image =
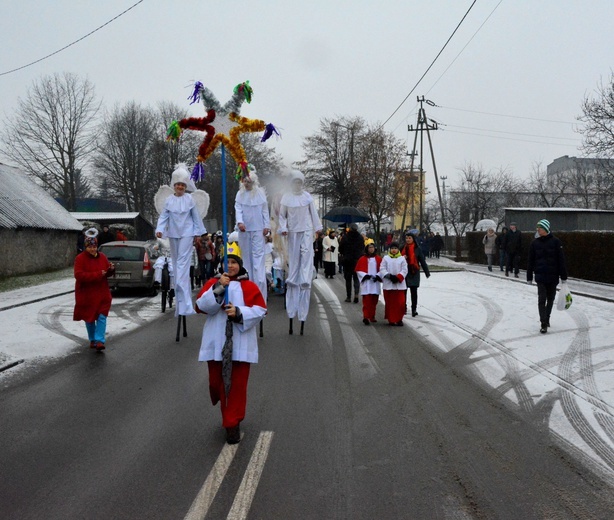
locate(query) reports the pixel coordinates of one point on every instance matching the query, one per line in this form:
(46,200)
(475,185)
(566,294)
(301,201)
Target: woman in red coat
(92,294)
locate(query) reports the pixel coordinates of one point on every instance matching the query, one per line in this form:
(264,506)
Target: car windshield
(125,253)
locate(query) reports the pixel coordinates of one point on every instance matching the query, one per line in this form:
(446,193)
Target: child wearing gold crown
(230,343)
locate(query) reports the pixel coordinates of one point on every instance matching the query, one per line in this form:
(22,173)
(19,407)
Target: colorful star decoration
(222,125)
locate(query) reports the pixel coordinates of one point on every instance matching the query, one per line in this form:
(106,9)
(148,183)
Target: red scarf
(409,252)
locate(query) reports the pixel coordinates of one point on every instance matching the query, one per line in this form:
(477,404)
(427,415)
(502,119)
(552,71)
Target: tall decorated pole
(222,126)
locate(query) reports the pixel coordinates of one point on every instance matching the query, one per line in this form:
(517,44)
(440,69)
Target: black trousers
(351,276)
(513,262)
(546,293)
(413,291)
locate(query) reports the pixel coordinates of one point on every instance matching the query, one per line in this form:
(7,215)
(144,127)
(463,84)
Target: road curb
(9,307)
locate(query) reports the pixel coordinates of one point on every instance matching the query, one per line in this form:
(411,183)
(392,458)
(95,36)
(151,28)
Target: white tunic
(180,218)
(252,209)
(244,337)
(393,266)
(298,213)
(370,286)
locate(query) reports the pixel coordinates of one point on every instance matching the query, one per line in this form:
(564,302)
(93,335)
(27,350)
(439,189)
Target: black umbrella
(346,214)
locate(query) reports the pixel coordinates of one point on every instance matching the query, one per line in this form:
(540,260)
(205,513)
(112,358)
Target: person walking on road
(351,247)
(367,269)
(415,259)
(490,246)
(106,236)
(393,271)
(547,261)
(513,249)
(230,353)
(92,293)
(500,242)
(330,246)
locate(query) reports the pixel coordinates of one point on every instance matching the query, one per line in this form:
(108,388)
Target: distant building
(144,229)
(36,233)
(561,219)
(410,210)
(569,166)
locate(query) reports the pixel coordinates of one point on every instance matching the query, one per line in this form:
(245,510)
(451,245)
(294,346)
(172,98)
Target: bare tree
(549,192)
(331,160)
(380,161)
(598,121)
(124,156)
(51,135)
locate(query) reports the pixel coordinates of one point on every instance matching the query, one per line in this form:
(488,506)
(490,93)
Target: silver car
(133,265)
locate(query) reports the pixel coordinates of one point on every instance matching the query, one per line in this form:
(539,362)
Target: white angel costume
(299,219)
(252,210)
(181,219)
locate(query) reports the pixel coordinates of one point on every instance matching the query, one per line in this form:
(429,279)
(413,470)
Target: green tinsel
(246,90)
(174,131)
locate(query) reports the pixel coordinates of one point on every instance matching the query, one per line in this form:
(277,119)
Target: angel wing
(164,192)
(201,198)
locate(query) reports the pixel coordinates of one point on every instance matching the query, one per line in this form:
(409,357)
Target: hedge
(589,254)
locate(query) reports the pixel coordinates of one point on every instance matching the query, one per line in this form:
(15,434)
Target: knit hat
(544,224)
(90,241)
(181,174)
(393,244)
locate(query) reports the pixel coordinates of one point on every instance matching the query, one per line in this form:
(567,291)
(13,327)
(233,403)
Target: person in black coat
(547,262)
(352,247)
(513,248)
(106,236)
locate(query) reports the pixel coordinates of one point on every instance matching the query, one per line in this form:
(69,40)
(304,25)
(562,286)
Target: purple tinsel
(195,97)
(198,172)
(269,130)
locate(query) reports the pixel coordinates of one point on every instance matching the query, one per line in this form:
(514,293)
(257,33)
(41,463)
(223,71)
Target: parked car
(133,266)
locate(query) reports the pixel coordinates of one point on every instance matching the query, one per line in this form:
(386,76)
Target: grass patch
(30,280)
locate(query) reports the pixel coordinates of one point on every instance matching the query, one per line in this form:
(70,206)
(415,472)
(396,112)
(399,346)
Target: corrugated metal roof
(104,215)
(23,203)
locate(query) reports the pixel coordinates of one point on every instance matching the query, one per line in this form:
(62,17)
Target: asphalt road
(345,422)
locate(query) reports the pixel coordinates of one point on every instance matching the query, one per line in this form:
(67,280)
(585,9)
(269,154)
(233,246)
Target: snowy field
(563,379)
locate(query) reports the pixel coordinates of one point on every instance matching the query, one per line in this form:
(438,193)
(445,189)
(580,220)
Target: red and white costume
(394,293)
(369,289)
(246,296)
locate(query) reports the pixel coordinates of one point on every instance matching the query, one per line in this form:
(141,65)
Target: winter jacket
(546,260)
(490,244)
(92,294)
(413,279)
(512,243)
(351,247)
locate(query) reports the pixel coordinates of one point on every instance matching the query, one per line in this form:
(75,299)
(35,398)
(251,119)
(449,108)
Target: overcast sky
(327,58)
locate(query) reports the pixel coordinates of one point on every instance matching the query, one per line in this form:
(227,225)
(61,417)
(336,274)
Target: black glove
(377,279)
(365,278)
(393,278)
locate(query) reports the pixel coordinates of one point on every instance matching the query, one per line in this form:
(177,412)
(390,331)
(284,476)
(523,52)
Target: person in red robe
(393,271)
(367,269)
(92,293)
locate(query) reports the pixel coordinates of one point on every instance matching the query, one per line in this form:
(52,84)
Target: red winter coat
(92,294)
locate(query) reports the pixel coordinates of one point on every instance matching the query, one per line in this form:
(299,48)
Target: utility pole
(444,178)
(425,125)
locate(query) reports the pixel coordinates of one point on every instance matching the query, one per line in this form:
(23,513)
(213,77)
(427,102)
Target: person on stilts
(298,221)
(180,221)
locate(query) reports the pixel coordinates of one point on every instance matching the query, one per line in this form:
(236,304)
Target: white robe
(181,222)
(370,286)
(252,210)
(299,218)
(244,337)
(393,266)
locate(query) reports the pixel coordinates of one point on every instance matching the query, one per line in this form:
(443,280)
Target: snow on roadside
(564,378)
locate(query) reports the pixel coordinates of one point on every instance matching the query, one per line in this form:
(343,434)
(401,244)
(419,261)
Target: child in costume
(180,221)
(230,343)
(253,222)
(393,271)
(367,269)
(92,294)
(298,221)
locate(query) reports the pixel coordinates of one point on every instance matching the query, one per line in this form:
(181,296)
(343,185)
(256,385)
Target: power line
(511,133)
(505,138)
(461,51)
(507,115)
(432,63)
(73,43)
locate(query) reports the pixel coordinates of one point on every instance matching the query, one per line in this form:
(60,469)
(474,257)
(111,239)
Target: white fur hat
(297,175)
(181,174)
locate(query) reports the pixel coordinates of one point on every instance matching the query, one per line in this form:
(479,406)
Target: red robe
(92,294)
